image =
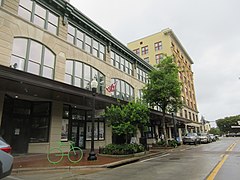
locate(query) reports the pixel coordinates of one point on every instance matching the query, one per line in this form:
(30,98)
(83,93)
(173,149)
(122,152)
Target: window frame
(33,16)
(83,79)
(26,59)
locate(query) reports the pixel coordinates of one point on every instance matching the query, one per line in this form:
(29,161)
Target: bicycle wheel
(55,155)
(75,155)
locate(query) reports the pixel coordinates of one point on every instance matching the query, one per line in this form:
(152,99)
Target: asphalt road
(218,160)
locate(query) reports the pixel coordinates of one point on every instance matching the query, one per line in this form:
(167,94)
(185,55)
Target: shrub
(122,149)
(171,143)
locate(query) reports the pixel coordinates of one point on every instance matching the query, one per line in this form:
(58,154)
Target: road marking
(154,157)
(219,165)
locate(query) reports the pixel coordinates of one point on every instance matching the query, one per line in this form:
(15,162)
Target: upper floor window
(144,50)
(140,94)
(136,51)
(142,75)
(33,57)
(80,74)
(0,2)
(146,59)
(121,63)
(85,42)
(158,58)
(123,90)
(39,15)
(158,46)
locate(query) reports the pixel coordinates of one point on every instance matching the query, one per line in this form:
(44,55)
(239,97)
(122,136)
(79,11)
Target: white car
(6,164)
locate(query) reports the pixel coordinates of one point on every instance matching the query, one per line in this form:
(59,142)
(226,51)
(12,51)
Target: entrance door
(78,133)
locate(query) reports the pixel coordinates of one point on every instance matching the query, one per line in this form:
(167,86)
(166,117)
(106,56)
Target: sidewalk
(32,162)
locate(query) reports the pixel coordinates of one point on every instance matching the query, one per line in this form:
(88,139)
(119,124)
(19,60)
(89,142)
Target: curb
(109,165)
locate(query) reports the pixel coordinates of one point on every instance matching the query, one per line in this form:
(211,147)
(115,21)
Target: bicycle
(55,154)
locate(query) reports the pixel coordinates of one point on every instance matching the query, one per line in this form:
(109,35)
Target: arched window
(80,74)
(31,56)
(123,90)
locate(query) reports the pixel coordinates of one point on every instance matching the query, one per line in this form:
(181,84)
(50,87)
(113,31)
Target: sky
(209,30)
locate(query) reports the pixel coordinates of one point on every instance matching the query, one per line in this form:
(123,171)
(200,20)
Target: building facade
(152,49)
(49,54)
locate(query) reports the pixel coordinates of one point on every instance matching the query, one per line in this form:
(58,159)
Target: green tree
(215,131)
(126,119)
(164,89)
(225,124)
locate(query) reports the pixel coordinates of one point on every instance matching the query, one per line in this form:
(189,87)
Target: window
(31,56)
(99,128)
(190,115)
(144,50)
(140,94)
(39,15)
(40,120)
(88,44)
(65,122)
(146,59)
(142,75)
(158,46)
(136,51)
(83,41)
(121,63)
(123,90)
(80,75)
(185,112)
(0,2)
(158,58)
(151,132)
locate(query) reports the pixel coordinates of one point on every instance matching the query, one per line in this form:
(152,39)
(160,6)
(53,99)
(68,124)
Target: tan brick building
(49,54)
(152,49)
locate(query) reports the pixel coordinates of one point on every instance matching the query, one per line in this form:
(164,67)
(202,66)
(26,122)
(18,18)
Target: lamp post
(92,155)
(174,126)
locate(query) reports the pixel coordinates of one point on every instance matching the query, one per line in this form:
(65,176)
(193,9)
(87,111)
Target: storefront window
(39,130)
(65,123)
(99,130)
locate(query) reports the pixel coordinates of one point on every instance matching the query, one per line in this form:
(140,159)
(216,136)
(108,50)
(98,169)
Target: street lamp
(92,155)
(174,126)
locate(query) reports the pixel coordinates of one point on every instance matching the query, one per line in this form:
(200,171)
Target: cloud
(209,31)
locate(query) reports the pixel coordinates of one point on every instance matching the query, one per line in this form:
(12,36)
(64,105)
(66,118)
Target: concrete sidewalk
(35,162)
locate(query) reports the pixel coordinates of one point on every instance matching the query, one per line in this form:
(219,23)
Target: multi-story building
(49,54)
(152,49)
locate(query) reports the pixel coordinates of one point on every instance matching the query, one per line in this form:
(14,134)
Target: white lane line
(155,157)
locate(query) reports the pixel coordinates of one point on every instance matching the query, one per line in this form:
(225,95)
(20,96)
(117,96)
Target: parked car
(213,137)
(5,146)
(204,138)
(6,164)
(191,138)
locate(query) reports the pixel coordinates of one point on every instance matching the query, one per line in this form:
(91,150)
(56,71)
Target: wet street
(218,160)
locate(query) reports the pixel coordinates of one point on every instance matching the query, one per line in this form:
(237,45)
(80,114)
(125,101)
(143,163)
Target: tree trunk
(164,129)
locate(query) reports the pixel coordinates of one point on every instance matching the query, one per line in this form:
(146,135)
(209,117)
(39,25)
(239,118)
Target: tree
(215,131)
(226,123)
(126,119)
(164,89)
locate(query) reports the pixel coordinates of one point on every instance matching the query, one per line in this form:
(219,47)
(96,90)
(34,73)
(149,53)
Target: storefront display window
(99,131)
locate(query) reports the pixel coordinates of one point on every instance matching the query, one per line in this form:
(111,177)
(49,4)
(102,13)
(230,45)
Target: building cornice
(70,12)
(173,36)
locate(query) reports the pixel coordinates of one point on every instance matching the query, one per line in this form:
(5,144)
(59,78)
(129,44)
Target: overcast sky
(209,30)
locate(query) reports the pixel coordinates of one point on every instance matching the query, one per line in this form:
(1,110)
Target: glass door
(78,133)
